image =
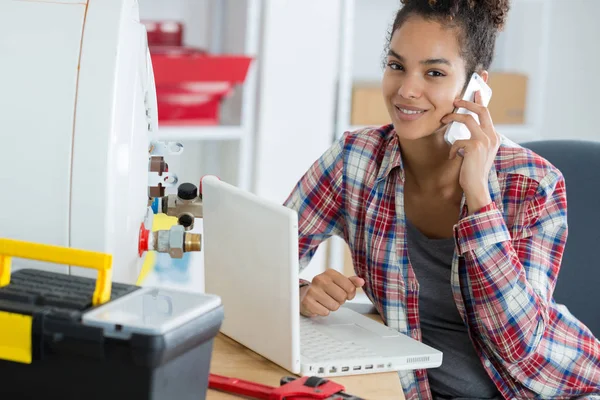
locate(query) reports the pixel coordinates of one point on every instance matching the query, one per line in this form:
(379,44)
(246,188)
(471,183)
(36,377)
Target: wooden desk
(234,360)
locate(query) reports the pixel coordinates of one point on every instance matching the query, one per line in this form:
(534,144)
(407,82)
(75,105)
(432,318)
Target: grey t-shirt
(461,375)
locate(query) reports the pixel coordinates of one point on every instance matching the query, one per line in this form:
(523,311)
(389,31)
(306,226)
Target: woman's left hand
(478,153)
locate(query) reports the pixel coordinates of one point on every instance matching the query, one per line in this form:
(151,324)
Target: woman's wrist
(478,200)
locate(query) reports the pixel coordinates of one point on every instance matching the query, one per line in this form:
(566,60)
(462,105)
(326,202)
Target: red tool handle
(240,386)
(304,388)
(308,387)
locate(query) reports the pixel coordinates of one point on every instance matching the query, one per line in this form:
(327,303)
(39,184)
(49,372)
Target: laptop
(251,262)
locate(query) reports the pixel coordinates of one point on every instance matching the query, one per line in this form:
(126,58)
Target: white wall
(194,14)
(162,10)
(573,83)
(297,92)
(373,20)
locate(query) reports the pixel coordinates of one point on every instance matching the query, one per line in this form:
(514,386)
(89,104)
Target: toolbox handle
(59,255)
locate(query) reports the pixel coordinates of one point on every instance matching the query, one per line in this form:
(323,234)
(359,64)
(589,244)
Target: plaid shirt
(504,268)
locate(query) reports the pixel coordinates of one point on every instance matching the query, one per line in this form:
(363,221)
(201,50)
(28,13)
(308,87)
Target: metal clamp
(158,148)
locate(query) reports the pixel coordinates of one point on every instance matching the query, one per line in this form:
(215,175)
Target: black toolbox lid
(75,327)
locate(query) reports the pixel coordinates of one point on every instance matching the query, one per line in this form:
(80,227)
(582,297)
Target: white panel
(522,49)
(372,22)
(298,80)
(39,44)
(297,92)
(571,99)
(163,9)
(193,13)
(70,2)
(110,164)
(249,97)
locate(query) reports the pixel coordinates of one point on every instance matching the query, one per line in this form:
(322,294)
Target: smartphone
(457,130)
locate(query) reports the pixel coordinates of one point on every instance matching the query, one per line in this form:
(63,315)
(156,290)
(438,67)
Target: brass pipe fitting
(176,241)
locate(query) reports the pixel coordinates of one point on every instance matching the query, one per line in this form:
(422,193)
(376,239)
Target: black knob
(186,220)
(187,191)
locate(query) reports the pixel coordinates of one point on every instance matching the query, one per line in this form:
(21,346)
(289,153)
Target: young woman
(457,246)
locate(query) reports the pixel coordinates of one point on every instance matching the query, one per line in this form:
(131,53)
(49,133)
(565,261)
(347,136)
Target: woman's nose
(410,88)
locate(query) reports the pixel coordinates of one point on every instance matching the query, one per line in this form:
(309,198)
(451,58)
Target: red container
(164,33)
(176,65)
(191,104)
(190,83)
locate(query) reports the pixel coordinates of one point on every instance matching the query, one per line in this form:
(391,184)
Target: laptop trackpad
(347,332)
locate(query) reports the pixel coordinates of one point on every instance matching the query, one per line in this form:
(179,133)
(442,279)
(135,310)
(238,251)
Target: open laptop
(251,262)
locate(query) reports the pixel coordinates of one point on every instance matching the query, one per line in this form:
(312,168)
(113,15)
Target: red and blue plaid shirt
(504,268)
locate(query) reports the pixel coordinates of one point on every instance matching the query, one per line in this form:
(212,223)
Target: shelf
(190,132)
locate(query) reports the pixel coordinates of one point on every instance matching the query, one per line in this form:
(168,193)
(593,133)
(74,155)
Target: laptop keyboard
(44,288)
(321,347)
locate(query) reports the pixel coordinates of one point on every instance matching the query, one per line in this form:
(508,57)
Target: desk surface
(231,359)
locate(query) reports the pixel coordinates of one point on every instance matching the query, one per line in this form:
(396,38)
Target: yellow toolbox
(69,337)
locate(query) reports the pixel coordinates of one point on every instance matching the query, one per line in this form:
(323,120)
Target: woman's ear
(484,75)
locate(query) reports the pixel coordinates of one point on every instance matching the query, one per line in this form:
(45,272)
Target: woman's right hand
(327,292)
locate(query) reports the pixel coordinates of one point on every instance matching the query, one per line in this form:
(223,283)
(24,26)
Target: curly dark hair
(478,23)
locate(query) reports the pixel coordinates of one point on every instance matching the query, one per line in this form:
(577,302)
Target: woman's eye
(395,66)
(435,74)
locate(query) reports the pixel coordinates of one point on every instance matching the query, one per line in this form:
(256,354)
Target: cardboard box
(368,106)
(509,98)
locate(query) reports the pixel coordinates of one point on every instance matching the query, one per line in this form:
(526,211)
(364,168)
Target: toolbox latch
(15,337)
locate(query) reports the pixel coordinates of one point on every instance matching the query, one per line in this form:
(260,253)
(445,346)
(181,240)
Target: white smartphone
(457,130)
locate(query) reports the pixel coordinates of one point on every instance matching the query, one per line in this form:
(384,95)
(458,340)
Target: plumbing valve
(158,148)
(175,241)
(185,205)
(159,177)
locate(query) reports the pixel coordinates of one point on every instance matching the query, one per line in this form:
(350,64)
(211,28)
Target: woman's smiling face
(423,76)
